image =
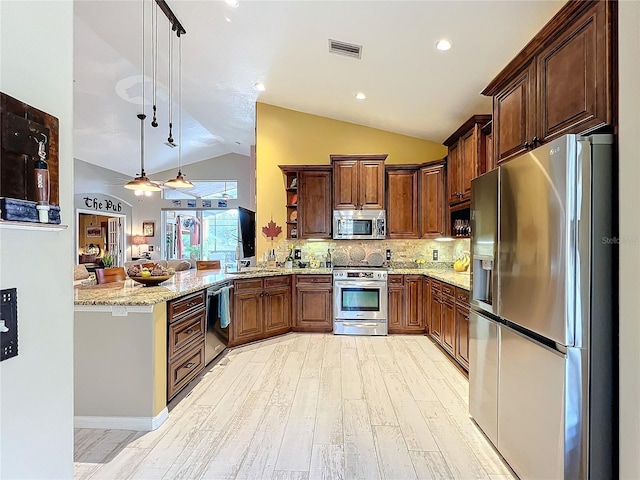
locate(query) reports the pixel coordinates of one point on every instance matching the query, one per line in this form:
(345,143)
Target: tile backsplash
(403,252)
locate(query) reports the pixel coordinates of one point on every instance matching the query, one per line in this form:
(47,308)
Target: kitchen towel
(223,307)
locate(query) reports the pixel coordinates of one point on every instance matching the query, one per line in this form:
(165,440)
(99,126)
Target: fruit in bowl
(150,274)
(462,264)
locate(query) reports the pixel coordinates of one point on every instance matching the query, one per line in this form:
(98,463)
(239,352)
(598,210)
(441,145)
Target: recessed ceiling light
(260,87)
(360,96)
(232,3)
(443,44)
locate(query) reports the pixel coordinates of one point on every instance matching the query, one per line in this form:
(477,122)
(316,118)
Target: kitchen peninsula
(136,347)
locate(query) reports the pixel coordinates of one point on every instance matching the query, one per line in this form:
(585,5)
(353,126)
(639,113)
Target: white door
(114,242)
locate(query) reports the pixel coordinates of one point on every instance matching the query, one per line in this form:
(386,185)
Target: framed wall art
(94,231)
(148,229)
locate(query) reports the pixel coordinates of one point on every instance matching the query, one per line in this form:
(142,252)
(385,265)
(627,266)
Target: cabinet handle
(189,365)
(190,331)
(535,141)
(527,145)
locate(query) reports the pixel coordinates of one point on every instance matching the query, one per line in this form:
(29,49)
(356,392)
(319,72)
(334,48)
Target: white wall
(36,389)
(629,197)
(90,178)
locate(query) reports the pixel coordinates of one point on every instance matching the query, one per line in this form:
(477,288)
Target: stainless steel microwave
(359,224)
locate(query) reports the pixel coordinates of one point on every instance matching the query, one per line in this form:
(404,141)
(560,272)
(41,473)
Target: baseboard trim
(143,424)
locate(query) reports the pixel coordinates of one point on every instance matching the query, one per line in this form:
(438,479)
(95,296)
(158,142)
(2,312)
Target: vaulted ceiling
(411,87)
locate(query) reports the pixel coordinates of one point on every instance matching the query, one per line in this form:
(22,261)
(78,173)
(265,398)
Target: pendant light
(179,181)
(142,183)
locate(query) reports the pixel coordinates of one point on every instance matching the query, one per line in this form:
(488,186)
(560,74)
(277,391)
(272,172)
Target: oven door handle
(360,283)
(370,324)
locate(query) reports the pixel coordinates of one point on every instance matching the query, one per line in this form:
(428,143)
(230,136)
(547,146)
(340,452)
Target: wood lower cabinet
(313,303)
(449,320)
(262,309)
(358,182)
(405,304)
(186,318)
(562,82)
(395,303)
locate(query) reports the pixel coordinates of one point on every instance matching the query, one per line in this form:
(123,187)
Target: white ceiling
(411,87)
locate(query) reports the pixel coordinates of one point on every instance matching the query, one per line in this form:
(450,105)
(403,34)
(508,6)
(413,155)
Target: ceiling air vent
(343,48)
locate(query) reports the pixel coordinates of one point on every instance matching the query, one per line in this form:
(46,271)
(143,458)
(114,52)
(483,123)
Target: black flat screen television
(247,220)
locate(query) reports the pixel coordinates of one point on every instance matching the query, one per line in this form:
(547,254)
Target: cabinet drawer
(462,296)
(186,332)
(436,285)
(278,281)
(184,368)
(186,305)
(248,284)
(395,279)
(313,279)
(448,290)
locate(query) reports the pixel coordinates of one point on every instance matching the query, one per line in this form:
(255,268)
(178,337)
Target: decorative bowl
(152,280)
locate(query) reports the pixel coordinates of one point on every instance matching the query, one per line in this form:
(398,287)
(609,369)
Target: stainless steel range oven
(359,301)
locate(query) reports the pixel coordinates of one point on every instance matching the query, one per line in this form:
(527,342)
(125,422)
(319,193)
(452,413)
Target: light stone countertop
(182,283)
(186,282)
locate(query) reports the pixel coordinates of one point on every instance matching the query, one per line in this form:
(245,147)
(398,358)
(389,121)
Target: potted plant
(108,260)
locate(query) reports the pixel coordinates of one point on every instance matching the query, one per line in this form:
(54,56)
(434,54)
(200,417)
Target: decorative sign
(206,203)
(191,203)
(271,230)
(222,204)
(176,203)
(102,204)
(93,231)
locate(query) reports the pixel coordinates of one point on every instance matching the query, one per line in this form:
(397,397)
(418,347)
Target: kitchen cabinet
(313,303)
(395,303)
(262,309)
(405,304)
(431,198)
(186,319)
(449,320)
(562,82)
(466,158)
(358,182)
(402,202)
(308,192)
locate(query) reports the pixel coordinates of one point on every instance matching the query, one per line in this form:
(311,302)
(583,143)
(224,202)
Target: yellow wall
(287,137)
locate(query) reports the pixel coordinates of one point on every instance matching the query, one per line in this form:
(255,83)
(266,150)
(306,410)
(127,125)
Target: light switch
(435,255)
(8,324)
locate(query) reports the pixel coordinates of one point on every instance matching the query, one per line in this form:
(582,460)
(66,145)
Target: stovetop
(360,272)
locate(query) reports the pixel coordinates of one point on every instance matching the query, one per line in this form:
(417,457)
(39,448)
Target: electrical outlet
(435,255)
(388,254)
(8,324)
(297,254)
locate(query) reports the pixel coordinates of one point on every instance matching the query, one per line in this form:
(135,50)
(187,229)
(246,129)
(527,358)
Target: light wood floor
(309,406)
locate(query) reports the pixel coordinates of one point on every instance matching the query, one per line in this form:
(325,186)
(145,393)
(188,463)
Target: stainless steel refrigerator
(542,366)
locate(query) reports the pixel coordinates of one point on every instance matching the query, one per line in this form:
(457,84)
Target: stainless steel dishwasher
(217,337)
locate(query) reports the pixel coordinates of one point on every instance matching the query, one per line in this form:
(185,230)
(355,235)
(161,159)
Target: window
(207,189)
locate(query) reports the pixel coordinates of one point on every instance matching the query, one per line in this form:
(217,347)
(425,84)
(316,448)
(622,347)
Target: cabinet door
(448,326)
(248,312)
(395,305)
(314,204)
(313,308)
(453,173)
(462,336)
(574,75)
(345,185)
(435,307)
(468,152)
(402,203)
(277,310)
(513,114)
(371,185)
(426,302)
(414,319)
(431,207)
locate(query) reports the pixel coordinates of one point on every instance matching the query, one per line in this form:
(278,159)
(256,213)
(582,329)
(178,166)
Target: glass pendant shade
(142,184)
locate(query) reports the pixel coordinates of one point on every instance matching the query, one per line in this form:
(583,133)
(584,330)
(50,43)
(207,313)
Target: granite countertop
(182,283)
(457,279)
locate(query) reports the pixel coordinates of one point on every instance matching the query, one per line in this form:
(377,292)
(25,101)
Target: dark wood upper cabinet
(432,208)
(358,182)
(309,213)
(314,204)
(466,158)
(562,82)
(402,203)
